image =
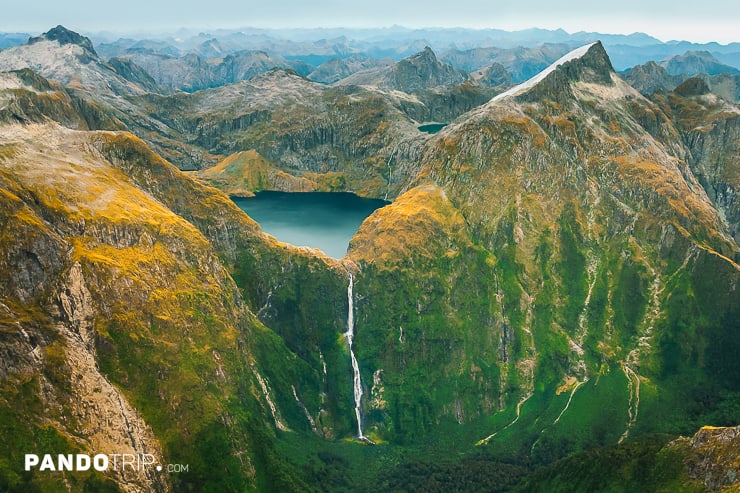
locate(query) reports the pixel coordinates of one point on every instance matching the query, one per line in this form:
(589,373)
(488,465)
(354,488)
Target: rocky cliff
(124,331)
(710,128)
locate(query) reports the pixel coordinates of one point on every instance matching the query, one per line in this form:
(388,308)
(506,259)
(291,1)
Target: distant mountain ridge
(395,42)
(697,62)
(193,72)
(197,60)
(419,71)
(652,77)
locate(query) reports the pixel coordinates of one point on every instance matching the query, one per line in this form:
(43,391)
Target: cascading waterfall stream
(356,380)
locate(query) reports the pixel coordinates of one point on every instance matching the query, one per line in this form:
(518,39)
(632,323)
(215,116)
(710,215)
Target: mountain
(419,71)
(697,62)
(651,77)
(134,73)
(188,73)
(103,94)
(726,86)
(192,72)
(245,65)
(69,59)
(316,46)
(549,301)
(494,75)
(337,137)
(122,46)
(64,36)
(123,328)
(396,41)
(542,267)
(522,63)
(29,98)
(339,68)
(709,127)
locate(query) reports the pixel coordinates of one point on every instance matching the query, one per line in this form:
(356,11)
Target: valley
(533,284)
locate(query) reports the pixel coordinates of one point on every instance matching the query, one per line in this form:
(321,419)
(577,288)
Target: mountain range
(549,303)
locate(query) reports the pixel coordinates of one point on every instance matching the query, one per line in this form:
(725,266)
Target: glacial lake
(432,128)
(323,220)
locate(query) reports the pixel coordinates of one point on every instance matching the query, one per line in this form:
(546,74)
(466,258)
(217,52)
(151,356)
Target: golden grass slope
(158,300)
(246,172)
(416,223)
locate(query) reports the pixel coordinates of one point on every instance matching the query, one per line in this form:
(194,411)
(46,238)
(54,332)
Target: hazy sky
(708,20)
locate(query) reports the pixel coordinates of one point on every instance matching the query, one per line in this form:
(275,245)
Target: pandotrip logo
(99,462)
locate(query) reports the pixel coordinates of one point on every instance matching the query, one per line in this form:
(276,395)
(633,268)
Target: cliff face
(436,355)
(712,457)
(353,137)
(710,129)
(100,269)
(364,139)
(125,334)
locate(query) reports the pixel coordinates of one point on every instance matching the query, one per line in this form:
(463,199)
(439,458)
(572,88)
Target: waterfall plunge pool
(323,220)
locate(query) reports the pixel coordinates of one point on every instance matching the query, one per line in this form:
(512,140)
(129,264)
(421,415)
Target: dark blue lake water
(322,220)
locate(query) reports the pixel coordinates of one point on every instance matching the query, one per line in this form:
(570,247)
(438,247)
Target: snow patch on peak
(526,85)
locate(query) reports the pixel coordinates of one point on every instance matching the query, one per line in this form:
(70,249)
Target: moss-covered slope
(125,333)
(568,271)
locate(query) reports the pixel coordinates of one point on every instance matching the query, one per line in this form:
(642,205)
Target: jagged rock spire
(64,36)
(593,66)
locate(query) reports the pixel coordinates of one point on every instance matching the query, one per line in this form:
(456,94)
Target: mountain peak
(422,71)
(594,66)
(696,62)
(426,54)
(64,37)
(693,86)
(588,63)
(423,58)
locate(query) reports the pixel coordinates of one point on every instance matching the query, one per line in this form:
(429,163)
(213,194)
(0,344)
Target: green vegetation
(29,436)
(571,269)
(550,283)
(422,365)
(645,465)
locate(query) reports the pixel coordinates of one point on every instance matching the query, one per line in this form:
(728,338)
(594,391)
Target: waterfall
(356,381)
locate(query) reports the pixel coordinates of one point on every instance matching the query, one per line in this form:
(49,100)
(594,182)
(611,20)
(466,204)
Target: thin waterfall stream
(356,378)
